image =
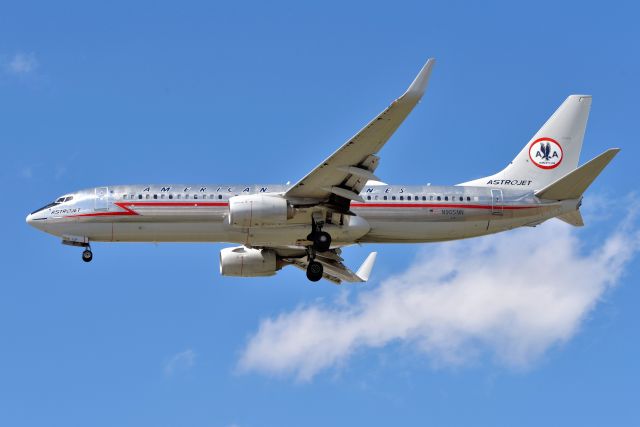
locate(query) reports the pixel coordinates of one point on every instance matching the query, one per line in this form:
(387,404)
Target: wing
(343,174)
(334,270)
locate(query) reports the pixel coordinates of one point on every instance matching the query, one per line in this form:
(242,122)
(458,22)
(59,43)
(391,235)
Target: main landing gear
(314,271)
(321,239)
(321,243)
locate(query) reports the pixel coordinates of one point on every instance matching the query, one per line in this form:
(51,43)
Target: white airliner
(340,203)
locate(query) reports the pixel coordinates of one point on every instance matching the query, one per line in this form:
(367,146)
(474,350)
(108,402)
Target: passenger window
(446,198)
(408,197)
(179,196)
(424,197)
(393,197)
(162,196)
(139,196)
(171,196)
(368,197)
(219,196)
(385,197)
(439,198)
(148,196)
(401,197)
(195,196)
(155,196)
(461,198)
(186,196)
(124,197)
(468,199)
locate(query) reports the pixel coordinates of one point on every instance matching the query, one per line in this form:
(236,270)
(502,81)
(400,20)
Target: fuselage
(200,213)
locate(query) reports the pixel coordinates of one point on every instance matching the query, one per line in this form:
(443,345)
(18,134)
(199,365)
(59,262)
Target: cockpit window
(50,205)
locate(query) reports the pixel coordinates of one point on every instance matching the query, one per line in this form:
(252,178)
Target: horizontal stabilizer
(573,218)
(576,182)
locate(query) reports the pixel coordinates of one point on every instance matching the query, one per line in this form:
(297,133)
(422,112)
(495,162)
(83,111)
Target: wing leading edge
(343,174)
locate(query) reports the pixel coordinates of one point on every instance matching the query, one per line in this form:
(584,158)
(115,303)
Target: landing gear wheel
(87,255)
(321,241)
(314,271)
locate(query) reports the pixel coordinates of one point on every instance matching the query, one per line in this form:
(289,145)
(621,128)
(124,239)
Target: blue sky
(95,94)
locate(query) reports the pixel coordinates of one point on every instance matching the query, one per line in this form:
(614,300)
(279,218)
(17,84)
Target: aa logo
(545,153)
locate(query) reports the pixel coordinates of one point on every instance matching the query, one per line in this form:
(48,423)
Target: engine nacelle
(258,210)
(247,262)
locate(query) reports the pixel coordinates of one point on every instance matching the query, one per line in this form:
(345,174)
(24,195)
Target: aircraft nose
(32,220)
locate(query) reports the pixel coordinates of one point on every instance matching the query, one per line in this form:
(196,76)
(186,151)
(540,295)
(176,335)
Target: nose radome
(30,219)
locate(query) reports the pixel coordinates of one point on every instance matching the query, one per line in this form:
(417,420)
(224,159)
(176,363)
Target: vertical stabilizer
(553,151)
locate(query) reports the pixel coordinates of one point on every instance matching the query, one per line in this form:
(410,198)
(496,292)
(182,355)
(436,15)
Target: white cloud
(512,296)
(180,362)
(22,63)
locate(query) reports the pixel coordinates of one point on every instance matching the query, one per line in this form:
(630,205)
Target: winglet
(365,269)
(419,84)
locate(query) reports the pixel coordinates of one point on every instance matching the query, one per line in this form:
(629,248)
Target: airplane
(340,203)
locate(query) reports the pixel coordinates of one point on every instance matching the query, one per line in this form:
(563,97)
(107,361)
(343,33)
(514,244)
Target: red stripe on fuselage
(436,205)
(131,212)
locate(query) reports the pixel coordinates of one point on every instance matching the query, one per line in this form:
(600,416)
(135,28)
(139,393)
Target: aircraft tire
(87,255)
(314,271)
(321,241)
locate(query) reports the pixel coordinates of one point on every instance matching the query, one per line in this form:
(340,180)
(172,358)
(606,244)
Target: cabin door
(496,202)
(102,198)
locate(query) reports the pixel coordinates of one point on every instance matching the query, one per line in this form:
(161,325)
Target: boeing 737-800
(340,203)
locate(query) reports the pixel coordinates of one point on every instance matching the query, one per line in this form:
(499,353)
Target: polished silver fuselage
(199,213)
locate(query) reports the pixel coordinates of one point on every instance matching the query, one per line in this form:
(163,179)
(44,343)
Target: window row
(171,196)
(424,198)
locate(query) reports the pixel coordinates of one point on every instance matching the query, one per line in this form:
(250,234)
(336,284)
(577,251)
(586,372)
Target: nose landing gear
(82,242)
(87,255)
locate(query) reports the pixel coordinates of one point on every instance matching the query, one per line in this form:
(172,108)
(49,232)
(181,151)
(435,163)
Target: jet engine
(258,210)
(248,262)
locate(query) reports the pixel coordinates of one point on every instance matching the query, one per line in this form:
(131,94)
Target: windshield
(52,204)
(46,206)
